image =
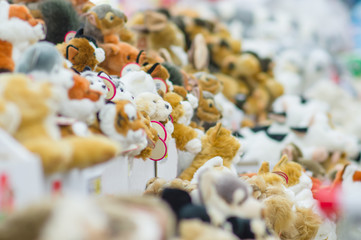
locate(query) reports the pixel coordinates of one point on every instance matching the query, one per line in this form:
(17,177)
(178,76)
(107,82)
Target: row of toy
(289,203)
(304,127)
(55,112)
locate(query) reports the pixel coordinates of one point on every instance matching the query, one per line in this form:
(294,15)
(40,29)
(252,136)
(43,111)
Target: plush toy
(137,82)
(260,100)
(18,30)
(121,122)
(154,106)
(185,136)
(155,186)
(209,82)
(280,214)
(60,18)
(225,195)
(197,230)
(82,53)
(121,92)
(218,141)
(119,54)
(207,114)
(104,23)
(161,33)
(35,104)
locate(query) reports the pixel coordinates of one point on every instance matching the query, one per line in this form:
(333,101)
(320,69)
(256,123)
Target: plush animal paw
(194,146)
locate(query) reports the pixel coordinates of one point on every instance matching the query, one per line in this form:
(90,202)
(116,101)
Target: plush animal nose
(166,106)
(103,86)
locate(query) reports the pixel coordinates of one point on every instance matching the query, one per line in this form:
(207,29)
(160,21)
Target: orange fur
(81,89)
(218,141)
(292,169)
(83,57)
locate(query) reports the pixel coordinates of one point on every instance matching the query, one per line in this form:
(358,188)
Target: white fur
(96,83)
(136,140)
(131,112)
(194,146)
(137,82)
(154,106)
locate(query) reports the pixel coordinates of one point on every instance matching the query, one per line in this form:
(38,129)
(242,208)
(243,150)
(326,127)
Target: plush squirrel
(104,23)
(18,30)
(217,141)
(36,105)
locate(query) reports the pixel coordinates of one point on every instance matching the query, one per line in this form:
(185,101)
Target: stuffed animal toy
(209,82)
(185,136)
(56,218)
(156,108)
(119,54)
(121,122)
(260,100)
(206,114)
(60,18)
(280,214)
(121,92)
(137,82)
(150,211)
(36,104)
(161,33)
(217,141)
(104,23)
(198,55)
(155,186)
(18,30)
(96,82)
(82,53)
(225,195)
(197,230)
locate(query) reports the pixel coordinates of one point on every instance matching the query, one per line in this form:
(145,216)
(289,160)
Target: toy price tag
(6,196)
(160,84)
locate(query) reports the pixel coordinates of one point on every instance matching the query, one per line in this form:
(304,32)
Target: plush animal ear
(92,18)
(283,160)
(71,52)
(153,68)
(110,49)
(264,168)
(218,129)
(4,11)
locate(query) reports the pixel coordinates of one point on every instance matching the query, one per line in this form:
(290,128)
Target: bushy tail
(60,18)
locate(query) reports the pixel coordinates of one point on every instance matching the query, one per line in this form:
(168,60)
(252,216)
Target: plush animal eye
(128,57)
(154,101)
(109,16)
(122,90)
(91,83)
(210,105)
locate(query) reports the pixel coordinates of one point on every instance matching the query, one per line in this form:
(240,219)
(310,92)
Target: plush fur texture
(196,230)
(209,82)
(292,169)
(117,55)
(39,133)
(152,104)
(60,17)
(103,21)
(18,30)
(82,53)
(155,186)
(185,136)
(218,141)
(158,72)
(207,113)
(122,123)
